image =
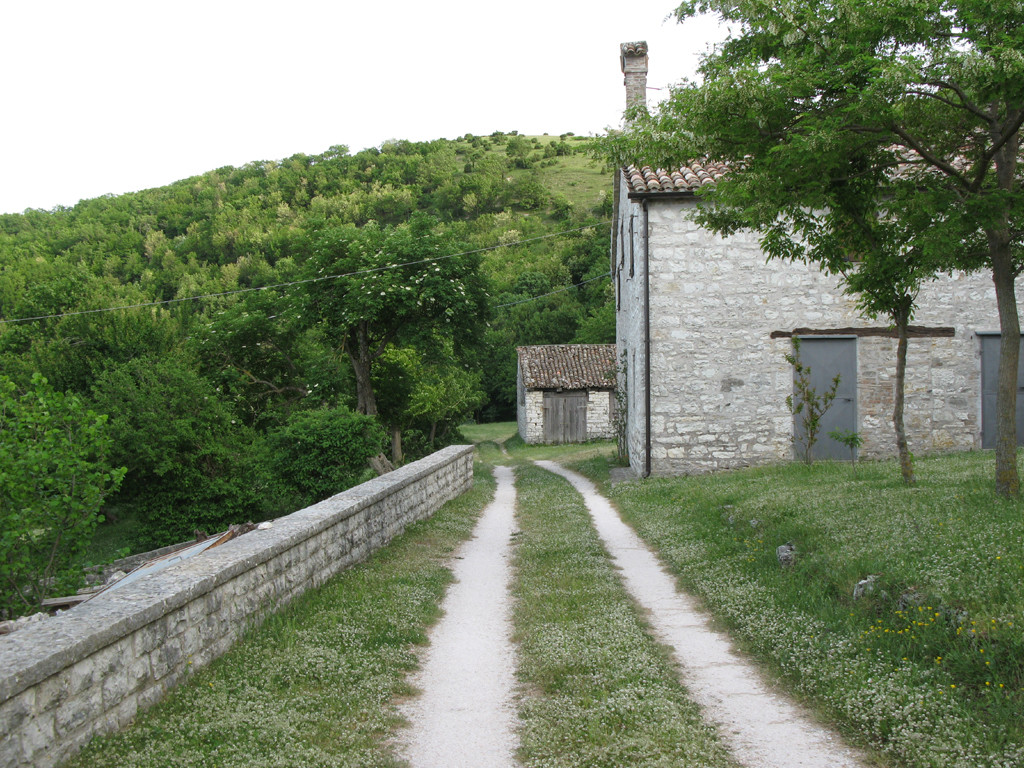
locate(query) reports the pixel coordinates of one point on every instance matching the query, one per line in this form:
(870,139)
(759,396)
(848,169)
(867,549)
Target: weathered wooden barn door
(565,417)
(826,358)
(989,376)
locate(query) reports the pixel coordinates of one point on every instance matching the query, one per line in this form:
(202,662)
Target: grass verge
(566,452)
(928,665)
(496,432)
(599,690)
(314,684)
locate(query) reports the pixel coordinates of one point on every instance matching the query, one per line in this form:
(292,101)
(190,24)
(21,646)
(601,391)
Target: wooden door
(826,358)
(565,417)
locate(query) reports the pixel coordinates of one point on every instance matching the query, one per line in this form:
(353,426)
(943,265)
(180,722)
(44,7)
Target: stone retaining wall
(88,671)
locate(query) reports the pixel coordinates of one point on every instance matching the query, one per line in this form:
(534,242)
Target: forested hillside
(396,283)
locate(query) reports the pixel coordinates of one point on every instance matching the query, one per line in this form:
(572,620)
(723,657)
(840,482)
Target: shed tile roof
(568,366)
(686,178)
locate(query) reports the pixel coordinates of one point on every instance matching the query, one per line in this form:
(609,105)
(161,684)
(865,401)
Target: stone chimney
(633,58)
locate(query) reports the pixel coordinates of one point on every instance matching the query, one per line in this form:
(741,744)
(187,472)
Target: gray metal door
(826,358)
(989,377)
(565,417)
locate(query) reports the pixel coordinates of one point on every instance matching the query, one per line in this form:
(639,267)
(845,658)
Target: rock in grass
(786,554)
(864,587)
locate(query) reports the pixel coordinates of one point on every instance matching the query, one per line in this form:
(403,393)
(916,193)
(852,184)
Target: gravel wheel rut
(466,715)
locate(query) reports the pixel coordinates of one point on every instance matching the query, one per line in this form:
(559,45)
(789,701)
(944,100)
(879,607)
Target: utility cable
(552,293)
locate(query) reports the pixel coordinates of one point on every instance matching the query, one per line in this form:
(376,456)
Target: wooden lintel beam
(913,331)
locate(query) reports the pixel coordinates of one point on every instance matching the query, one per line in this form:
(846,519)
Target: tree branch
(965,102)
(386,339)
(1011,128)
(271,387)
(856,128)
(912,143)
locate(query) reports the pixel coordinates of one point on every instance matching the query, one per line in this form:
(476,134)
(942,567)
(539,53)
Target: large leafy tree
(262,353)
(383,285)
(430,390)
(924,99)
(394,380)
(446,392)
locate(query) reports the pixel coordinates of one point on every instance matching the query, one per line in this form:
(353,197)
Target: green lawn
(496,432)
(519,450)
(491,438)
(579,178)
(602,691)
(928,667)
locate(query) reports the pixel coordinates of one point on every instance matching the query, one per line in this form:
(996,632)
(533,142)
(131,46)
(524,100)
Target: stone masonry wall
(628,278)
(719,381)
(599,415)
(531,417)
(88,671)
(521,412)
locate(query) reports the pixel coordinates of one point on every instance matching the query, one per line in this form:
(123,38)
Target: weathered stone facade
(90,670)
(600,410)
(531,415)
(718,379)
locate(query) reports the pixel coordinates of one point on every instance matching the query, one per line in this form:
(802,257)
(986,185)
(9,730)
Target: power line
(431,260)
(552,293)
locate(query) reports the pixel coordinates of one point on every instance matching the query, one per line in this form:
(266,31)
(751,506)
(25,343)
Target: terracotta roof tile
(687,178)
(568,366)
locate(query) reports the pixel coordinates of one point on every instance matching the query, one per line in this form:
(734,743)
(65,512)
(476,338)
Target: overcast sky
(113,96)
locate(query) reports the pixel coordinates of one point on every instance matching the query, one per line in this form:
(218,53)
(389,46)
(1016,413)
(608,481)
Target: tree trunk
(1003,275)
(902,318)
(380,464)
(396,445)
(359,354)
(1007,477)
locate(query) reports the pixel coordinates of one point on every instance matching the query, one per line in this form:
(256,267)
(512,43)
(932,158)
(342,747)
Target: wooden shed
(566,392)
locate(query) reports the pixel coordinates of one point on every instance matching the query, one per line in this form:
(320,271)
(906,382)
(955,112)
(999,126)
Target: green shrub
(320,453)
(54,475)
(191,466)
